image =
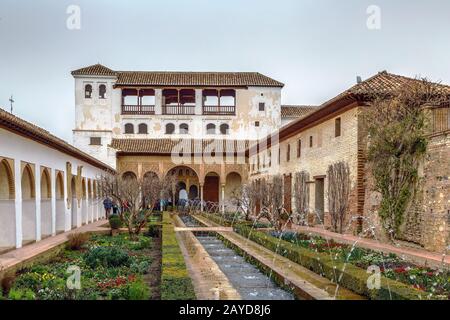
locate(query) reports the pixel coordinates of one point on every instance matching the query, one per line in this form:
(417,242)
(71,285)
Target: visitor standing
(107,204)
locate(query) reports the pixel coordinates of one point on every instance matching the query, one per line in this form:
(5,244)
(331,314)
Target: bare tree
(271,193)
(301,195)
(338,194)
(245,199)
(136,197)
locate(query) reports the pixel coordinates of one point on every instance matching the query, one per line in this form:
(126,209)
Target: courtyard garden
(111,268)
(347,265)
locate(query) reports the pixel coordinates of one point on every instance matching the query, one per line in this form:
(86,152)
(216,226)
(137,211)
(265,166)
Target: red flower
(400,270)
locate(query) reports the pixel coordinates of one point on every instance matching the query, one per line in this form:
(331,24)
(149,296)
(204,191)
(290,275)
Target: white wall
(32,220)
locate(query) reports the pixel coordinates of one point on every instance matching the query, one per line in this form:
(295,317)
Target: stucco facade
(44,190)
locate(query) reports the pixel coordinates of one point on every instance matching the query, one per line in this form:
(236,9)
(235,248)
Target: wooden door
(211,189)
(288,193)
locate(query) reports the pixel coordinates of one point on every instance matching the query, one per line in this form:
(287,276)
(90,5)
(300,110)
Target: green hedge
(352,277)
(175,281)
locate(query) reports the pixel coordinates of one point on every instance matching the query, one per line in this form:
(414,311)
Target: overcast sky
(316,47)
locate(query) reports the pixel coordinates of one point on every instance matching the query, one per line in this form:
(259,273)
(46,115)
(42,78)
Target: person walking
(107,204)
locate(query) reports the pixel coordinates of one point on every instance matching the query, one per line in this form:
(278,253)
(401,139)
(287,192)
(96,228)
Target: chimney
(358,79)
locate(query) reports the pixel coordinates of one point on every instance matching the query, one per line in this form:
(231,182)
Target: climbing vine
(397,129)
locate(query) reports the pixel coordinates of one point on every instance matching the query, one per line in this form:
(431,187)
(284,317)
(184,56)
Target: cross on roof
(11,101)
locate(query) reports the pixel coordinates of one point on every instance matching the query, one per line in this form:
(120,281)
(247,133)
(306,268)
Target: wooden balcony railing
(440,119)
(138,109)
(219,110)
(178,110)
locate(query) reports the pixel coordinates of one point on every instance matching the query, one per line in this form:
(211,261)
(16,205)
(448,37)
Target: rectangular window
(96,141)
(299,148)
(256,123)
(279,155)
(337,127)
(288,153)
(310,141)
(262,106)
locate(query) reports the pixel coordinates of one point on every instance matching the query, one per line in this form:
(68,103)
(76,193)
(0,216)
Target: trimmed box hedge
(348,275)
(175,281)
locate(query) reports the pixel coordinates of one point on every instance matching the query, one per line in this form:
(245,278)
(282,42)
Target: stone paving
(246,278)
(28,252)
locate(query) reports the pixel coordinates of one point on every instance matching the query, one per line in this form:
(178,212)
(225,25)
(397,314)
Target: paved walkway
(419,256)
(28,252)
(308,284)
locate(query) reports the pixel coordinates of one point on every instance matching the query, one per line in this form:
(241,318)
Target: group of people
(112,205)
(109,205)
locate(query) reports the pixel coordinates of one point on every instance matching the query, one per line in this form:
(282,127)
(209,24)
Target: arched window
(27,183)
(88,91)
(46,192)
(224,128)
(129,176)
(102,91)
(170,128)
(6,181)
(129,128)
(184,128)
(211,128)
(142,128)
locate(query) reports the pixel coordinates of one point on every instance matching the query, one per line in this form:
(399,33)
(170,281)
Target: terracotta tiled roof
(381,83)
(167,146)
(384,82)
(290,111)
(17,125)
(167,78)
(94,70)
(196,79)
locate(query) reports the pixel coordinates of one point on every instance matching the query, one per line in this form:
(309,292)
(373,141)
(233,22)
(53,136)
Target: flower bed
(112,268)
(324,260)
(229,220)
(175,281)
(433,282)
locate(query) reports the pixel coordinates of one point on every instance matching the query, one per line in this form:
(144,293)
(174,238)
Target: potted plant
(115,223)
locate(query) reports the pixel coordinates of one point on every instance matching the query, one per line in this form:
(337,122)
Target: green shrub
(106,257)
(143,242)
(115,222)
(140,268)
(153,230)
(21,294)
(175,281)
(138,290)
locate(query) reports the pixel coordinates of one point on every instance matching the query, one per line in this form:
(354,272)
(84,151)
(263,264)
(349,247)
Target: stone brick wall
(436,214)
(326,150)
(427,219)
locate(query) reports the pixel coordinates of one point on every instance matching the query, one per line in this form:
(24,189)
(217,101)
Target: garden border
(176,283)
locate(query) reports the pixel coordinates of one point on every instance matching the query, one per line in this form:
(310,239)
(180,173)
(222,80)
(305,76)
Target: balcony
(138,109)
(178,110)
(219,110)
